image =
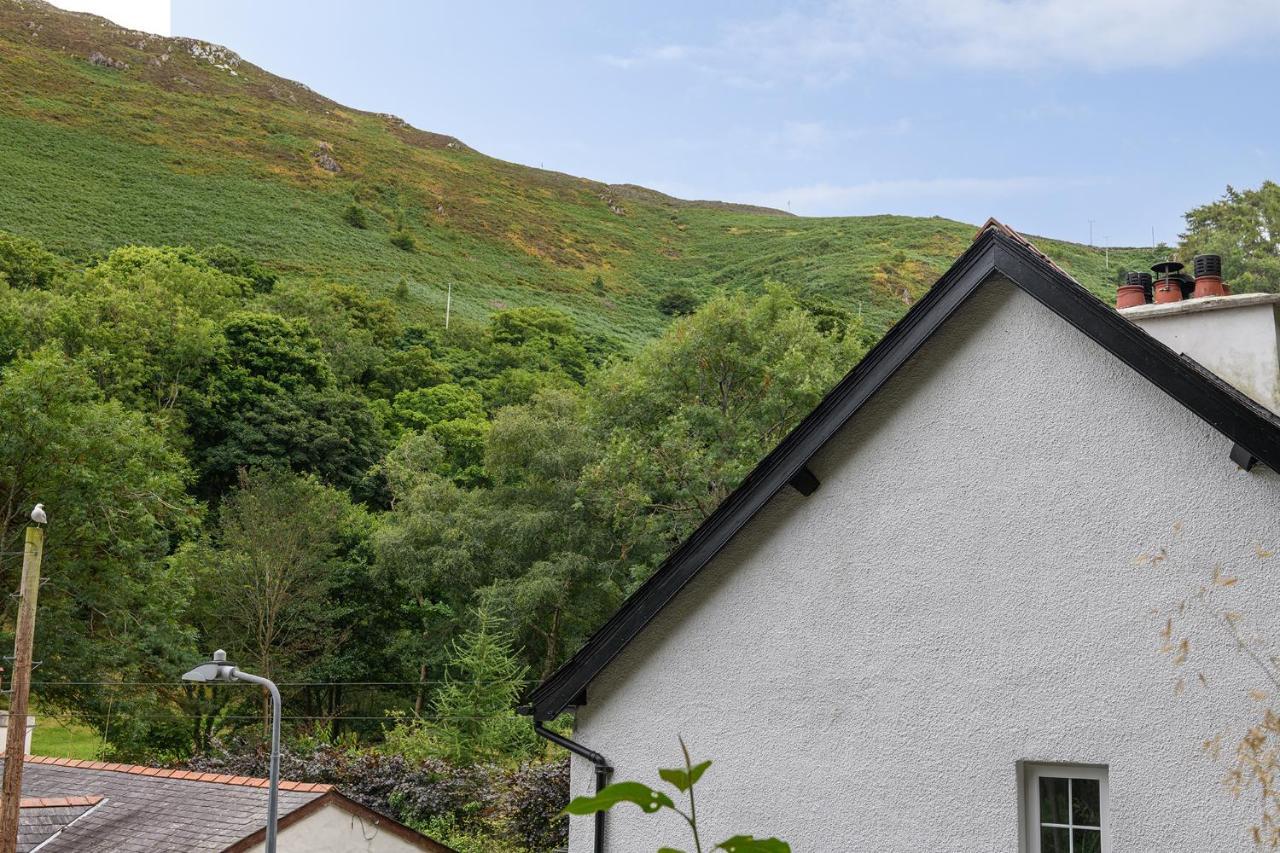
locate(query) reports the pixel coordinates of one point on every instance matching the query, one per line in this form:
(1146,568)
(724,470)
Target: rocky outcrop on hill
(101,60)
(324,158)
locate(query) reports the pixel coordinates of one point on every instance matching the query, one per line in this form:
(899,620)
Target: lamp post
(219,669)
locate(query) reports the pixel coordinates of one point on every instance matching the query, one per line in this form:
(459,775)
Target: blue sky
(1045,113)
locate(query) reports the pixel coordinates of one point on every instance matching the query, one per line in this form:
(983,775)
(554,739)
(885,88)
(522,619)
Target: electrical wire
(278,683)
(181,715)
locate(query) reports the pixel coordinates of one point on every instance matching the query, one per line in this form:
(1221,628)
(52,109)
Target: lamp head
(215,670)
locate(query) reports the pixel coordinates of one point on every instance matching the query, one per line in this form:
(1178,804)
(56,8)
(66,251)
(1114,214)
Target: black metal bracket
(805,482)
(1243,458)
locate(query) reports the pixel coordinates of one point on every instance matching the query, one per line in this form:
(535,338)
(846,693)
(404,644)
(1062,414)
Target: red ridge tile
(58,802)
(174,773)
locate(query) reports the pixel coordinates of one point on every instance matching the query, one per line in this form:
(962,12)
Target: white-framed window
(1066,810)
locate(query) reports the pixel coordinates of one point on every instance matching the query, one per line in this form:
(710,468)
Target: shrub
(677,303)
(532,808)
(404,241)
(233,262)
(354,216)
(515,809)
(447,832)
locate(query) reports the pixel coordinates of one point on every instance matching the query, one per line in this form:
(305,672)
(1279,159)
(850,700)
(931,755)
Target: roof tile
(132,809)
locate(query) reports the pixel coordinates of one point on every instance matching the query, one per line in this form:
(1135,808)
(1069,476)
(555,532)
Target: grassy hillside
(110,136)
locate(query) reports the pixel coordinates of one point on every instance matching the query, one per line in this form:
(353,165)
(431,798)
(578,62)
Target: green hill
(110,136)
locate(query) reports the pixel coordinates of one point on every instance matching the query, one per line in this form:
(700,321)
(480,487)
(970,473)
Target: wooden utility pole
(15,747)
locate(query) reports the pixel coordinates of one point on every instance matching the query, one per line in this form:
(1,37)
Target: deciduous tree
(1244,228)
(683,422)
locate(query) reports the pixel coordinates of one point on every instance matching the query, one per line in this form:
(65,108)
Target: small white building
(947,612)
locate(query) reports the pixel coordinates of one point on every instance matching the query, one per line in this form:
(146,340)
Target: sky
(1063,118)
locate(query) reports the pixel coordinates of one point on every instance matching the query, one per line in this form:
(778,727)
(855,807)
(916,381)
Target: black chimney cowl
(1207,265)
(1172,271)
(1142,279)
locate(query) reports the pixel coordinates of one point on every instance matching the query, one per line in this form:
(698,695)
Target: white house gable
(874,666)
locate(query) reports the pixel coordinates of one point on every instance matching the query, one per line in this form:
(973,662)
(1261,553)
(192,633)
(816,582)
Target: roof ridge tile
(59,802)
(176,773)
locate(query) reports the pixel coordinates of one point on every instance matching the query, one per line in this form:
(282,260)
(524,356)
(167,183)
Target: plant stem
(693,822)
(693,808)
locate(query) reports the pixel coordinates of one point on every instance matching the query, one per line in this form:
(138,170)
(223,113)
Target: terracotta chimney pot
(1169,285)
(1135,291)
(1208,269)
(1168,290)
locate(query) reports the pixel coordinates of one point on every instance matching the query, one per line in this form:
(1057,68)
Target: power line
(278,683)
(80,715)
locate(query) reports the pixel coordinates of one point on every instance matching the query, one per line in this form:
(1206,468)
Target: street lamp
(219,669)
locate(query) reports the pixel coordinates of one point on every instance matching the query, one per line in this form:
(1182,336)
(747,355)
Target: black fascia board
(993,252)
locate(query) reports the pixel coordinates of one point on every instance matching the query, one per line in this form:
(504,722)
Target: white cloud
(799,136)
(833,41)
(1053,111)
(881,196)
(650,56)
(796,140)
(151,16)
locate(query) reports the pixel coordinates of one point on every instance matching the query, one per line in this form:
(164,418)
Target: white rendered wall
(335,830)
(869,665)
(1234,336)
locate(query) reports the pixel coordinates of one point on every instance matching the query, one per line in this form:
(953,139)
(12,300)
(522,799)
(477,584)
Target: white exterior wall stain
(868,666)
(334,830)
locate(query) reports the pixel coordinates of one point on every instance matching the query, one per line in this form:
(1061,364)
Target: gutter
(602,771)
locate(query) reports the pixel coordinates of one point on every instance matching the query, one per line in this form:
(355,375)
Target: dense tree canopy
(684,422)
(25,263)
(270,398)
(1244,228)
(370,512)
(116,494)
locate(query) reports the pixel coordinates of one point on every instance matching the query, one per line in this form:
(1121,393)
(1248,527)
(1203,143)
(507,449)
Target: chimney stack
(1236,337)
(4,729)
(1209,282)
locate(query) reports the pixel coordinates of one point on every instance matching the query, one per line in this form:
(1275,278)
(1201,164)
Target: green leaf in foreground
(621,792)
(751,844)
(684,779)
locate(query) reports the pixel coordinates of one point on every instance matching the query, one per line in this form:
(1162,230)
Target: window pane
(1088,840)
(1056,839)
(1053,800)
(1084,803)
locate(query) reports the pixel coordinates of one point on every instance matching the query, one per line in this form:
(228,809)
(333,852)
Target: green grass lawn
(62,738)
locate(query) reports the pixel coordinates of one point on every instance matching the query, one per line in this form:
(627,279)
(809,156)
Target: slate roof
(42,818)
(996,251)
(87,806)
